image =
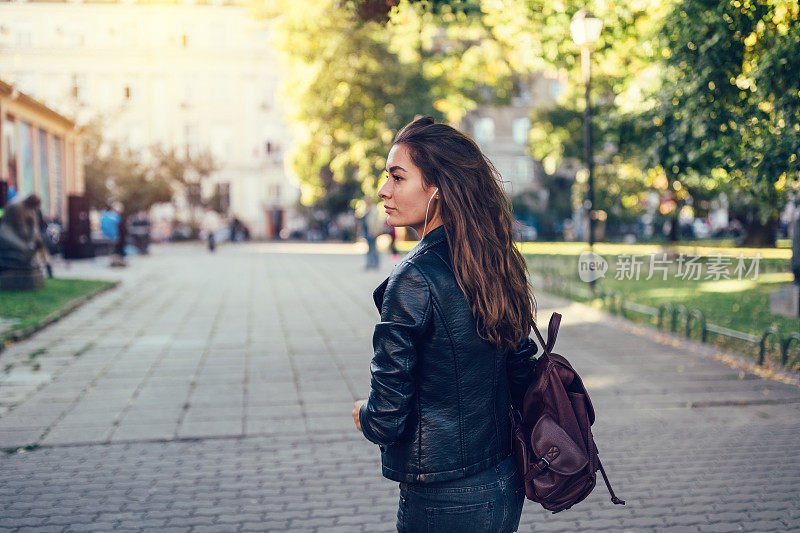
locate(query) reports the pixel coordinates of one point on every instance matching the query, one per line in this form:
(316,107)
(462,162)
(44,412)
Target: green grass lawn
(26,309)
(738,304)
(742,305)
(688,247)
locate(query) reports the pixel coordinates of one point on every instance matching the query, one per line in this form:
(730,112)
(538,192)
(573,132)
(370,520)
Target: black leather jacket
(439,400)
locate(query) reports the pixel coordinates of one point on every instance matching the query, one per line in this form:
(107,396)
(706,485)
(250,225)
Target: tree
(115,174)
(357,71)
(726,117)
(536,34)
(185,173)
(344,92)
(137,180)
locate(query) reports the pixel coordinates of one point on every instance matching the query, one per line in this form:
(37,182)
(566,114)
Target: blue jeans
(489,501)
(373,259)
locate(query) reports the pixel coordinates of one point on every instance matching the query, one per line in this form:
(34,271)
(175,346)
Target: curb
(731,359)
(20,335)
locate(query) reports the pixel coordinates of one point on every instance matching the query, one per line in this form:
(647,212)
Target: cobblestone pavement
(213,393)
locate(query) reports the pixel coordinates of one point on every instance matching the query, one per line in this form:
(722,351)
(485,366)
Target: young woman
(452,347)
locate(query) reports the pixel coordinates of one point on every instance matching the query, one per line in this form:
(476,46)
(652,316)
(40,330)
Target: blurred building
(192,75)
(502,133)
(40,153)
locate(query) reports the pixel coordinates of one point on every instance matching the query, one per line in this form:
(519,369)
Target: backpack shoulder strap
(552,331)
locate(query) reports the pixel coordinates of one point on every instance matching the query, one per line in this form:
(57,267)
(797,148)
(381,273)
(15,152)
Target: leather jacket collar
(433,237)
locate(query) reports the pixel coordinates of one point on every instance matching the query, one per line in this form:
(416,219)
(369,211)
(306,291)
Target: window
(519,130)
(188,90)
(522,92)
(44,173)
(484,130)
(191,140)
(131,90)
(26,133)
(275,192)
(24,33)
(55,174)
(555,88)
(273,151)
(161,130)
(524,171)
(220,142)
(79,87)
(10,145)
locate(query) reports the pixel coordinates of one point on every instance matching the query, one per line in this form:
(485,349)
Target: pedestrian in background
(210,225)
(371,226)
(392,231)
(451,350)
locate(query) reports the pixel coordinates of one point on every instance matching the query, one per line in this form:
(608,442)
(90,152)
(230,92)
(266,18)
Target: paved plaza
(213,392)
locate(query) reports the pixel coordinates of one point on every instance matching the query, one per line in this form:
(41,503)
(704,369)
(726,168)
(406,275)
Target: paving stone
(266,525)
(721,527)
(227,528)
(41,529)
(280,344)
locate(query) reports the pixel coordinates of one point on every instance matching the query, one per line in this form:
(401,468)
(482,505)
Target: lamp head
(585,27)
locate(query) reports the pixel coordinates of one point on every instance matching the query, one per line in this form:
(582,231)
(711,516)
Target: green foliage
(702,95)
(538,38)
(690,98)
(726,117)
(353,78)
(344,92)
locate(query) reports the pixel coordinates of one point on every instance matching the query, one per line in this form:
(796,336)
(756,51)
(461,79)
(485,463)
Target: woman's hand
(356,408)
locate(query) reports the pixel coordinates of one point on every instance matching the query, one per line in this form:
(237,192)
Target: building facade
(193,76)
(40,152)
(502,132)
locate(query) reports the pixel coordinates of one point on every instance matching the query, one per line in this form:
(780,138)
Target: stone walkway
(212,392)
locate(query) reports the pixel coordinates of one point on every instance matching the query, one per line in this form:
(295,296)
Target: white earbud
(426,211)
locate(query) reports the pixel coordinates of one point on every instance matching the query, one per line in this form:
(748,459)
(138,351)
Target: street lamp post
(585,29)
(795,263)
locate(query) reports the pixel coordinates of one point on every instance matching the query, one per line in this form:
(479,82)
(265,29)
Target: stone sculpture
(20,240)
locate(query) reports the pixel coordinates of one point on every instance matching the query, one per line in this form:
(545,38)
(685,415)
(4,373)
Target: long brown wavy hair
(477,218)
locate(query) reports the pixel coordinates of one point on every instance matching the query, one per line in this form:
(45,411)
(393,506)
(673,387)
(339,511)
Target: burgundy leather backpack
(553,442)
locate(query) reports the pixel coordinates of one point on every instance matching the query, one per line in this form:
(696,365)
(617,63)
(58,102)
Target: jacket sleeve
(405,315)
(520,367)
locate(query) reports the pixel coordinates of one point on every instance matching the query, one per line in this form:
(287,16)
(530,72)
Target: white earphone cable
(426,212)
